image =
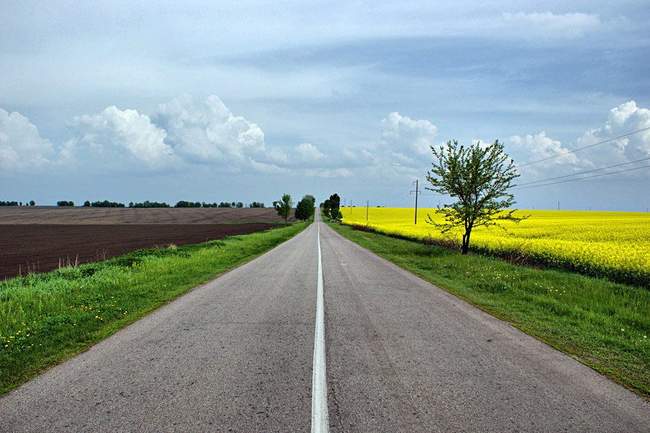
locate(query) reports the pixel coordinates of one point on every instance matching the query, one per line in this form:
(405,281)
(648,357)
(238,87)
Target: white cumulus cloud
(181,132)
(406,135)
(207,131)
(115,137)
(625,118)
(550,157)
(537,147)
(21,145)
(403,149)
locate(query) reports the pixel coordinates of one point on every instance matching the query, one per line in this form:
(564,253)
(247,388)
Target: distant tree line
(104,203)
(144,204)
(148,204)
(226,204)
(184,203)
(17,203)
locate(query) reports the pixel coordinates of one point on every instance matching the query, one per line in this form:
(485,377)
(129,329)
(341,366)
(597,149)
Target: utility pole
(416,192)
(367,204)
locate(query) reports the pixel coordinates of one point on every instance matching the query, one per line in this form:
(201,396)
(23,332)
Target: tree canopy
(479,178)
(305,207)
(283,206)
(331,207)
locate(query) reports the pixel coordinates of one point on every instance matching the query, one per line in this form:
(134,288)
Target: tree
(32,203)
(479,178)
(305,208)
(331,207)
(283,207)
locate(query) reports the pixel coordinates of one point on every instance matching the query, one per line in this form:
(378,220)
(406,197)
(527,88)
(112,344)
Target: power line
(585,147)
(584,172)
(587,177)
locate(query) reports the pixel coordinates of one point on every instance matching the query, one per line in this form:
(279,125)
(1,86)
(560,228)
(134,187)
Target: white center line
(319,415)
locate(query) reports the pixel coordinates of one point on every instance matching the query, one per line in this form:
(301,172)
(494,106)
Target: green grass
(603,324)
(47,318)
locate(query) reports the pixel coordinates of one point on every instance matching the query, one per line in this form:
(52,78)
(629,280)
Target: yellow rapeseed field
(615,244)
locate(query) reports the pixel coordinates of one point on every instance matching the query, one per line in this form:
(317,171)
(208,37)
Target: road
(237,355)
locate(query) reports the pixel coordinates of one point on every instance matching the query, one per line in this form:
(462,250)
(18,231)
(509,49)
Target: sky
(243,101)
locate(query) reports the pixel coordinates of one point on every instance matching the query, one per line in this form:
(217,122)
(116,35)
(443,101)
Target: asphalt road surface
(238,355)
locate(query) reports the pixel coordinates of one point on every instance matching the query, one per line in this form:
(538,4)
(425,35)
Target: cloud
(549,25)
(181,132)
(331,173)
(403,149)
(308,152)
(535,147)
(187,131)
(622,119)
(406,135)
(116,137)
(21,145)
(207,131)
(555,158)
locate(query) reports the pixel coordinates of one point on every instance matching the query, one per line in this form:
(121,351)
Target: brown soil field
(81,215)
(38,239)
(42,247)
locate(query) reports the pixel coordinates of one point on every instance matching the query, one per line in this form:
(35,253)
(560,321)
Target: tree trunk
(465,246)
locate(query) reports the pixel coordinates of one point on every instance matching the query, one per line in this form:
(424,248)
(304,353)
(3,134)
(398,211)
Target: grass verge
(603,324)
(47,318)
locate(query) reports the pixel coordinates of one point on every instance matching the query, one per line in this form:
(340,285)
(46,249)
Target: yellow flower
(596,240)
